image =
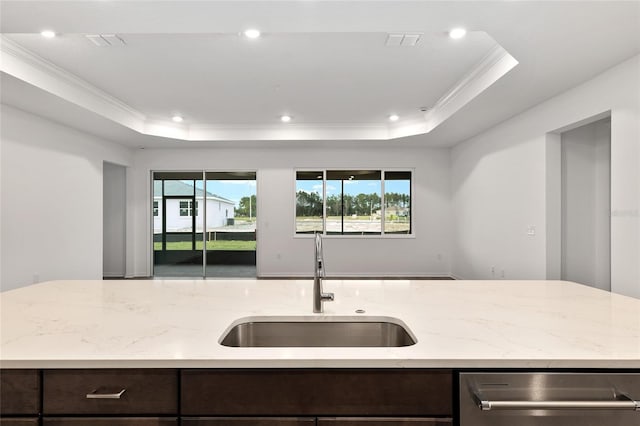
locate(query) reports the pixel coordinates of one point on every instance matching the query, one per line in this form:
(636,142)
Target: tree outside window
(353,203)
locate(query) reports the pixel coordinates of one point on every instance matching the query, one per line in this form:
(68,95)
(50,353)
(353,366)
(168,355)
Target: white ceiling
(227,79)
(325,63)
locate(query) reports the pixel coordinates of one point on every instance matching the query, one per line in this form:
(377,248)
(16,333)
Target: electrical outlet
(531,230)
(36,277)
(439,257)
(493,271)
(502,273)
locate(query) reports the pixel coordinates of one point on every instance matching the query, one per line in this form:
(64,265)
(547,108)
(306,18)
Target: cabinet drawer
(19,392)
(399,392)
(386,421)
(19,422)
(248,421)
(110,421)
(153,392)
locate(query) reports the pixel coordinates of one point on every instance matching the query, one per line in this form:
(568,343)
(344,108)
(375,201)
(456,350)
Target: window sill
(360,237)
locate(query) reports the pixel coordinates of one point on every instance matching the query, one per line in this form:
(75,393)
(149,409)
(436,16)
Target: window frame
(189,209)
(382,234)
(295,200)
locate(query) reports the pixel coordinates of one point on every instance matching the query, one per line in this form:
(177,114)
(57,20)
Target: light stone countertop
(177,324)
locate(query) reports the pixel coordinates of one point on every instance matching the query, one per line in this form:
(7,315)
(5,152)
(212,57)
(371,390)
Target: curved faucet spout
(318,274)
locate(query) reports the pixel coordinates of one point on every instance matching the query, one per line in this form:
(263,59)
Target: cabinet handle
(622,402)
(96,395)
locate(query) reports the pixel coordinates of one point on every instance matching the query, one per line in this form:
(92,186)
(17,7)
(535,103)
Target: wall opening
(114,220)
(585,199)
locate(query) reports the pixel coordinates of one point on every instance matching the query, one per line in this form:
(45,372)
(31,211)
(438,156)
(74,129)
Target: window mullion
(324,202)
(382,210)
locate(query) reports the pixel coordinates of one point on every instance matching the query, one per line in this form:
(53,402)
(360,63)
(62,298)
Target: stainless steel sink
(318,332)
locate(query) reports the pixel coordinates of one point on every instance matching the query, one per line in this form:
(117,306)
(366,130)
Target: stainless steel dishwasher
(549,399)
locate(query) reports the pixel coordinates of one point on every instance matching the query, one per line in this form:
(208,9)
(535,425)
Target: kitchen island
(178,324)
(148,352)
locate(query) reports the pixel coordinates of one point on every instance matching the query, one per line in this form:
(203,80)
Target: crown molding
(495,64)
(37,71)
(25,57)
(485,65)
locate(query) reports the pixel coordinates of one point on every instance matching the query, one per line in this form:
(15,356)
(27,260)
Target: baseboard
(113,275)
(356,276)
(282,276)
(457,277)
(133,277)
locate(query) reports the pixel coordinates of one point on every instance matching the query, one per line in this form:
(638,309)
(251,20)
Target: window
(155,208)
(397,202)
(186,208)
(353,202)
(309,205)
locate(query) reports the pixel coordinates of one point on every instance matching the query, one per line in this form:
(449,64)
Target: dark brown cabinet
(383,421)
(95,392)
(19,392)
(8,421)
(227,397)
(110,421)
(19,396)
(311,421)
(248,421)
(376,392)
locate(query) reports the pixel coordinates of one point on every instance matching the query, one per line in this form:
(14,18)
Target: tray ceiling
(325,64)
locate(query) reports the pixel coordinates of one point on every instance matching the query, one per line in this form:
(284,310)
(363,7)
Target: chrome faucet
(318,275)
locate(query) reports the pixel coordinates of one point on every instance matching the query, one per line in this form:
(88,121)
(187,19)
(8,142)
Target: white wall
(51,198)
(586,204)
(499,181)
(114,218)
(499,184)
(280,252)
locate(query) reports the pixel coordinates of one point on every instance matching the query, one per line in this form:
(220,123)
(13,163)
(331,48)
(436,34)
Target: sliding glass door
(204,224)
(231,224)
(177,224)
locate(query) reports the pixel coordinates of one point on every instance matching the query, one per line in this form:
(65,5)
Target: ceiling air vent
(106,40)
(403,39)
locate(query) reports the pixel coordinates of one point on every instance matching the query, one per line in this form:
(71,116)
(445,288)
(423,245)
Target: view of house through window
(186,208)
(353,202)
(204,223)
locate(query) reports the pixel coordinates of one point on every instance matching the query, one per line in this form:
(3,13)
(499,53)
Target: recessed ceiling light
(48,34)
(252,33)
(285,118)
(457,33)
(177,119)
(393,117)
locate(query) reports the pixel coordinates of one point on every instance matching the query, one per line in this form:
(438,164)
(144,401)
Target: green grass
(245,219)
(211,245)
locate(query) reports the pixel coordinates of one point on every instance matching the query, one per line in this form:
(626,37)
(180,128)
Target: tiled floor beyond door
(213,271)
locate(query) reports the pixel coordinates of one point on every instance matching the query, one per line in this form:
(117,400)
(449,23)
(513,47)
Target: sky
(232,190)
